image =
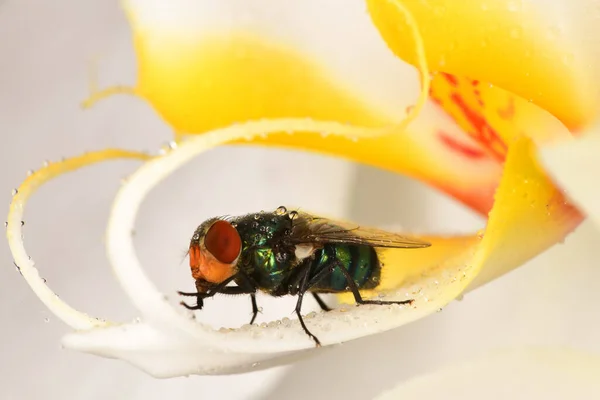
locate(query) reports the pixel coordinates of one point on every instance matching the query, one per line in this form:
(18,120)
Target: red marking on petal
(461,148)
(484,133)
(450,78)
(474,82)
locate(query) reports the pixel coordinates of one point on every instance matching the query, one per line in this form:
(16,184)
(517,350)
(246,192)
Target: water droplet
(260,309)
(254,225)
(44,280)
(293,214)
(172,145)
(46,163)
(5,224)
(14,192)
(30,172)
(254,365)
(46,319)
(22,223)
(257,217)
(281,210)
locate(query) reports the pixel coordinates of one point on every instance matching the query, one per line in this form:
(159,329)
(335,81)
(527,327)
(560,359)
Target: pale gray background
(44,49)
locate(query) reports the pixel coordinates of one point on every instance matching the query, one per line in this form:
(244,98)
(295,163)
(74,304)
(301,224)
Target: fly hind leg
(357,296)
(321,303)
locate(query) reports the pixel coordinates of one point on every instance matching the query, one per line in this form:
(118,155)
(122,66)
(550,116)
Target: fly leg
(301,290)
(220,288)
(322,304)
(254,307)
(358,298)
(304,285)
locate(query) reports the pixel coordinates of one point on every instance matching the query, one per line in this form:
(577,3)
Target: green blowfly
(288,253)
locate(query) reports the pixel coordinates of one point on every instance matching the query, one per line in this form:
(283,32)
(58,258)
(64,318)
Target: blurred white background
(45,48)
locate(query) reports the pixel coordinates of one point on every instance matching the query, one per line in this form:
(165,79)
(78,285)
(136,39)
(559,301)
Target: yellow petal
(529,215)
(201,81)
(515,45)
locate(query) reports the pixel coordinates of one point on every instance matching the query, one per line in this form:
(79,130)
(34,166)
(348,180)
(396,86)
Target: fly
(288,253)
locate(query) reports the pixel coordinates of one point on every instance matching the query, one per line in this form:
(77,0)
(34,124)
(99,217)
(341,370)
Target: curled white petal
(14,232)
(167,334)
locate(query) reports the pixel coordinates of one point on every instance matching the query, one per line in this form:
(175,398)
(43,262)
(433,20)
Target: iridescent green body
(270,259)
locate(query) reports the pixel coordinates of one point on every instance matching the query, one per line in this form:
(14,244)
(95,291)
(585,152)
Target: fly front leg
(211,291)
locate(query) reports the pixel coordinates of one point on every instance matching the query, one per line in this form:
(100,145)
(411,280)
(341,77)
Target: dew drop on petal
(14,192)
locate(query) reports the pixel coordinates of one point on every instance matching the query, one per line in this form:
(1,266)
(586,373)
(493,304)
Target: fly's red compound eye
(223,241)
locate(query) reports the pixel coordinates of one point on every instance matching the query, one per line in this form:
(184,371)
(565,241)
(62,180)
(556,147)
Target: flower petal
(518,46)
(529,213)
(23,262)
(433,278)
(193,74)
(529,373)
(574,165)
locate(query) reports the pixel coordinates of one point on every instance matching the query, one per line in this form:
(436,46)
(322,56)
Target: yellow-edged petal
(529,215)
(515,45)
(200,81)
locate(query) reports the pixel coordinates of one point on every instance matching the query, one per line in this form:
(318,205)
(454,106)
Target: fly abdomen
(362,263)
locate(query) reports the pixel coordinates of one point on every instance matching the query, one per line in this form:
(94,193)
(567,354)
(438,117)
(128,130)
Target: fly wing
(308,228)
